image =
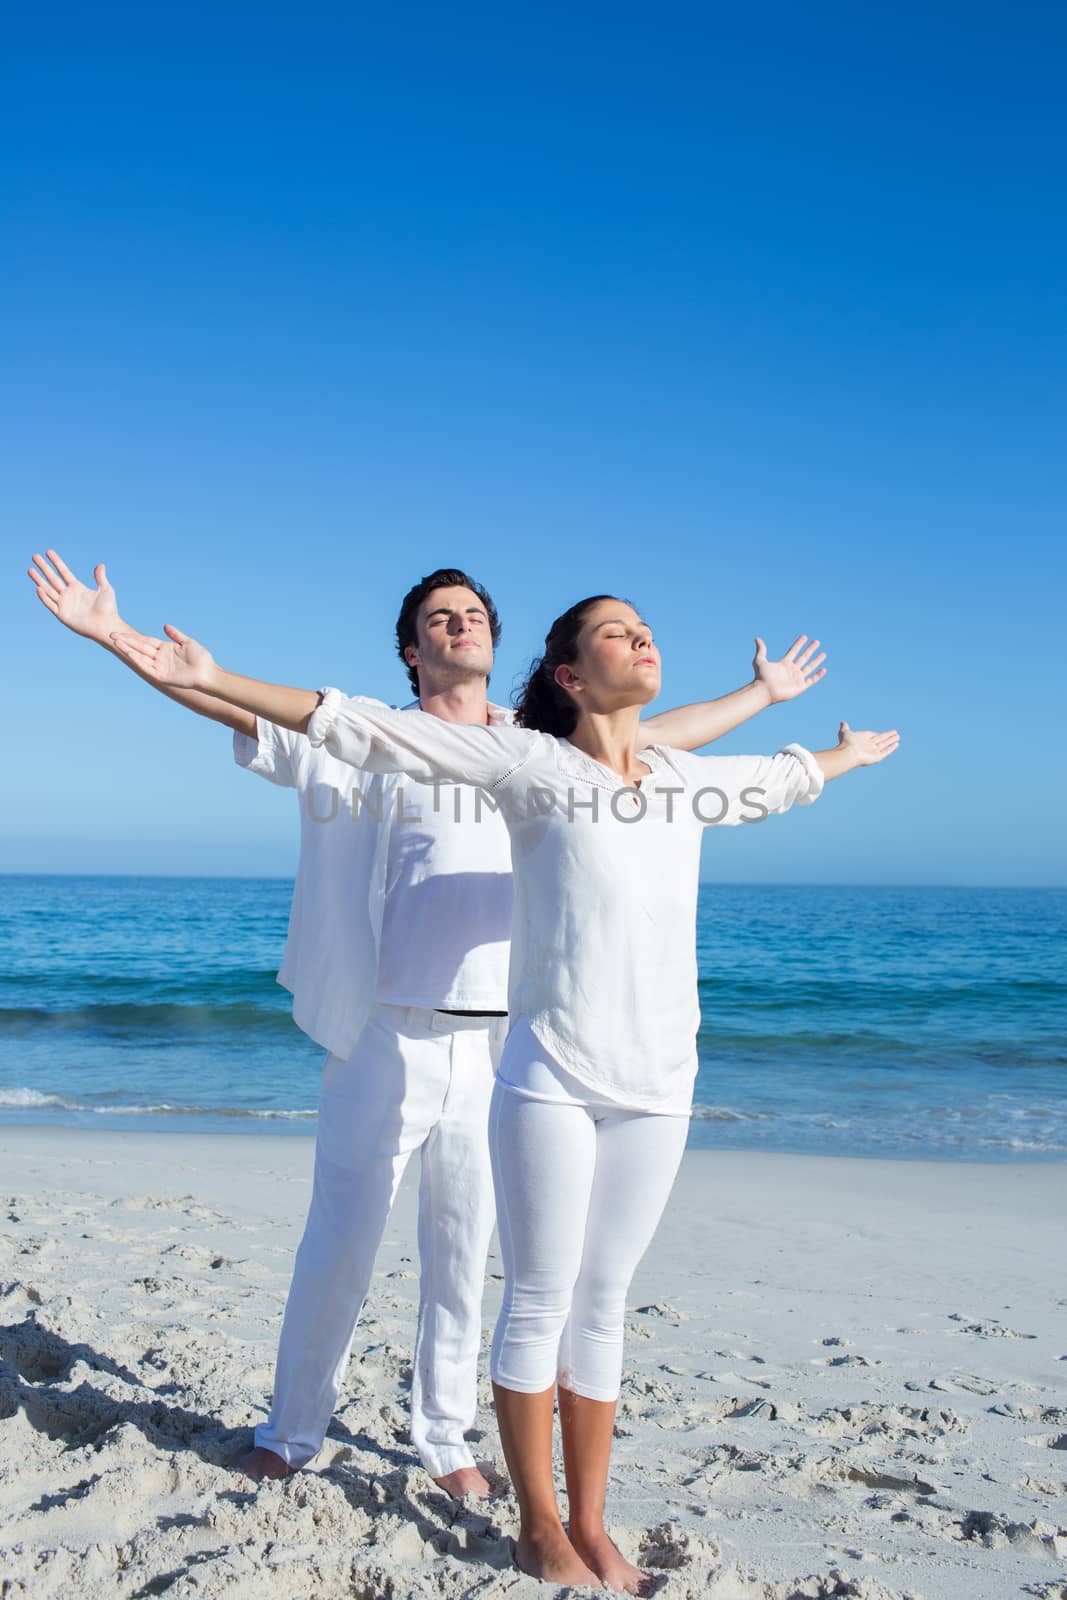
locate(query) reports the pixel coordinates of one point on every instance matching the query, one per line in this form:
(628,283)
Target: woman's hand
(94,613)
(176,662)
(867,749)
(794,673)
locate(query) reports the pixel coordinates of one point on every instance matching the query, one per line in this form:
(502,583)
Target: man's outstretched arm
(690,727)
(94,614)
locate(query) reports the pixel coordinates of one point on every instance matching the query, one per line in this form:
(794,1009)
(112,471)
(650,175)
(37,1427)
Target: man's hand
(796,671)
(867,749)
(176,662)
(93,613)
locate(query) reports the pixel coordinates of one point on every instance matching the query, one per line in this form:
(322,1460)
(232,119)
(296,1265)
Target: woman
(590,1110)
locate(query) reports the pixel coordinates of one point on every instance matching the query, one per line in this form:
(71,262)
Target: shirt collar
(576,764)
(497,714)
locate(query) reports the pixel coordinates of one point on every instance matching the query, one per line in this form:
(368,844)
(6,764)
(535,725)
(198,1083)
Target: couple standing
(397,960)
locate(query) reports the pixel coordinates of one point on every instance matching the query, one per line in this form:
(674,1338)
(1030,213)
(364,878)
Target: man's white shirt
(403,891)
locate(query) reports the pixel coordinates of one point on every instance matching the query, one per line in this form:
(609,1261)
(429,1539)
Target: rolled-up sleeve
(735,789)
(371,735)
(276,753)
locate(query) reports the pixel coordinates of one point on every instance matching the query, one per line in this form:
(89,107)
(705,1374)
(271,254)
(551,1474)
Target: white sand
(844,1379)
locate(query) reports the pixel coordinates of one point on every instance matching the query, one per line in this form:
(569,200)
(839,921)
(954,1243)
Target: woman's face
(617,663)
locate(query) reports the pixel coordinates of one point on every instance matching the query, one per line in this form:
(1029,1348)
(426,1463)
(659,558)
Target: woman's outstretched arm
(365,733)
(736,789)
(689,727)
(178,662)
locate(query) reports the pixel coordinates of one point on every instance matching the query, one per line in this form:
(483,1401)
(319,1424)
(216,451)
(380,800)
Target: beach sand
(844,1378)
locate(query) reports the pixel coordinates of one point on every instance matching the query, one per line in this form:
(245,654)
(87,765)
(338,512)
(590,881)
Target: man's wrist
(761,692)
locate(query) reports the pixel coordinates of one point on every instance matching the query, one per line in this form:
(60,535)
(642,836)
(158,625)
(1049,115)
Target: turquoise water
(848,1021)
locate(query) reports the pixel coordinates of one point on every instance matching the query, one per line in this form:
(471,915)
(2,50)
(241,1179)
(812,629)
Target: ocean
(925,1023)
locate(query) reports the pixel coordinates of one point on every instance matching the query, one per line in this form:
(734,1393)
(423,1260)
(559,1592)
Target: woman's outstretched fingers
(867,746)
(142,641)
(133,650)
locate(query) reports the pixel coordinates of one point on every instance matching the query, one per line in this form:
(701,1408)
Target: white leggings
(581,1185)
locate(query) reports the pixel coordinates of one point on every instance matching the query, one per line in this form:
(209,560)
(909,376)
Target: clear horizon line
(711,883)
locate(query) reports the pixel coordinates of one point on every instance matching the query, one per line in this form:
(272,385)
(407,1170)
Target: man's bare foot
(464,1481)
(262,1463)
(609,1563)
(553,1559)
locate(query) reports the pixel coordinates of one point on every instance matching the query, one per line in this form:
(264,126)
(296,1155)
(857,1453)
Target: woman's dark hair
(541,703)
(443,578)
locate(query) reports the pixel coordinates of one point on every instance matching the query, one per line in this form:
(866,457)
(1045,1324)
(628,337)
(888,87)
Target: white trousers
(581,1185)
(417,1080)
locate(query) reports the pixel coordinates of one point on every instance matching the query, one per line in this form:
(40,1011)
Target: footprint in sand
(733,1377)
(844,1361)
(1050,1414)
(996,1532)
(727,1458)
(901,1424)
(741,1406)
(1048,1488)
(663,1309)
(958,1383)
(665,1547)
(185,1205)
(843,1470)
(984,1328)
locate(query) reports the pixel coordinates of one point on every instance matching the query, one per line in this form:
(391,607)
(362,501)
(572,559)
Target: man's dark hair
(443,578)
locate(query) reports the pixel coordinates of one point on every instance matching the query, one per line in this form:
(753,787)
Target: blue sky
(755,316)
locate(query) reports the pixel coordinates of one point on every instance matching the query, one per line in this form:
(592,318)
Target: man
(397,962)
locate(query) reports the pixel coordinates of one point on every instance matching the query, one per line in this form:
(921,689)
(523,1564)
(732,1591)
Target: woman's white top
(603,956)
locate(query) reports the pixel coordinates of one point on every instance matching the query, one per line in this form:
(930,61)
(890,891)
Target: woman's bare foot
(262,1463)
(464,1481)
(609,1564)
(553,1558)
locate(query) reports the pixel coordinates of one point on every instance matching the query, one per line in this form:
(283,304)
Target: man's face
(454,639)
